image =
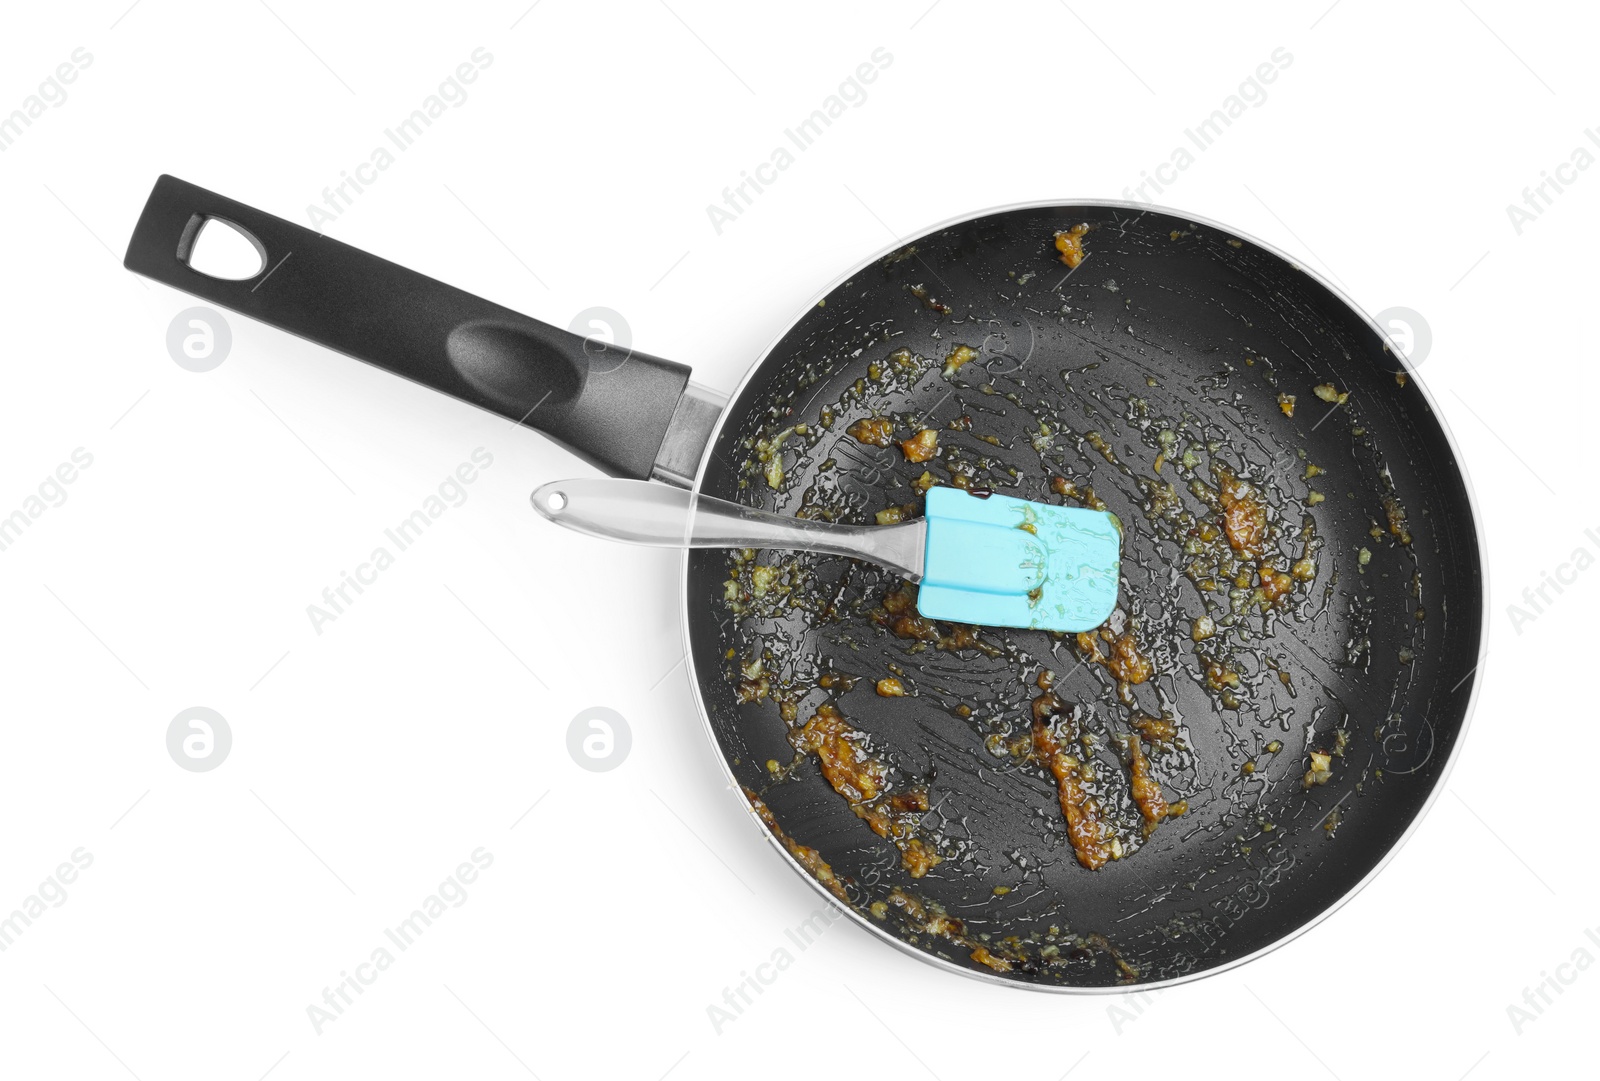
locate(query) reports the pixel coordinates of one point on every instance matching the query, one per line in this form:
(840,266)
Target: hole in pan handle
(223,250)
(612,407)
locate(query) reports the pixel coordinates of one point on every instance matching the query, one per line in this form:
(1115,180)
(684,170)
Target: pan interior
(1172,357)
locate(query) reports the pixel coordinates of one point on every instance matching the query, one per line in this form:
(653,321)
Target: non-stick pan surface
(1166,359)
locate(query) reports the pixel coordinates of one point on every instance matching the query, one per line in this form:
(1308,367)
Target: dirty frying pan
(1292,659)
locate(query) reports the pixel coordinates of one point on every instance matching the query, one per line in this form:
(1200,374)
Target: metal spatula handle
(639,512)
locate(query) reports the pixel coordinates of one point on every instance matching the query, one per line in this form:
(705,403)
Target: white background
(369,760)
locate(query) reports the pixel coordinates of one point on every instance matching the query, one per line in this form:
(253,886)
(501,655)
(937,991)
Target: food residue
(1146,790)
(1244,516)
(922,446)
(960,355)
(1085,829)
(862,779)
(872,431)
(1069,242)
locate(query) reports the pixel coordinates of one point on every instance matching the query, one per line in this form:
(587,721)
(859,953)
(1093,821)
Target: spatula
(988,559)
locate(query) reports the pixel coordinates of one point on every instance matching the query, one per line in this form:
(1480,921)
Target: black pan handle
(609,405)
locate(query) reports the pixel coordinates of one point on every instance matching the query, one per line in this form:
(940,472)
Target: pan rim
(1439,782)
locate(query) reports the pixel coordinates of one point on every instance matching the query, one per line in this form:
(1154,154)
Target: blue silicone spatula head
(1007,562)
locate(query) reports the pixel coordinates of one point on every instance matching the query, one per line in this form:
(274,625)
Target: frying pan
(1304,733)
